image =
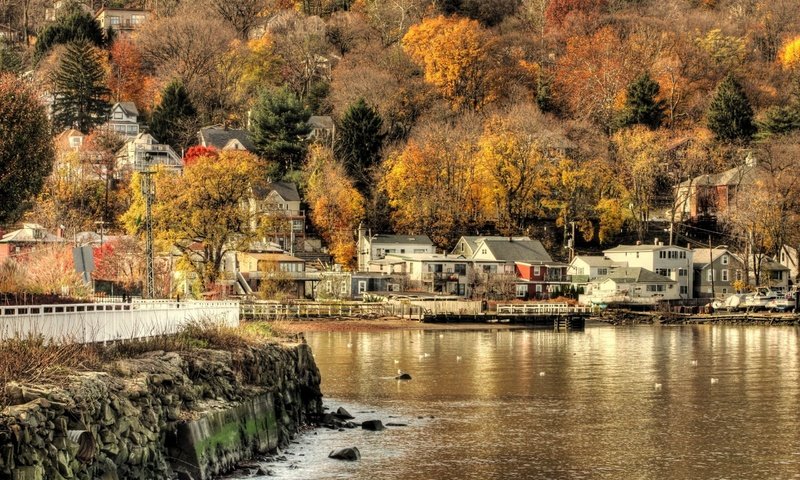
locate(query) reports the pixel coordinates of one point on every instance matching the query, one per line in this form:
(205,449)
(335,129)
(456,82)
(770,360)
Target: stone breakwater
(187,415)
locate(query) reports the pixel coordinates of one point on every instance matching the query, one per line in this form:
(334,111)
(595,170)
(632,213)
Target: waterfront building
(670,261)
(585,268)
(715,272)
(630,286)
(377,246)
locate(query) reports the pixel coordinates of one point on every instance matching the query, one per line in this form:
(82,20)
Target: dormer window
(724,259)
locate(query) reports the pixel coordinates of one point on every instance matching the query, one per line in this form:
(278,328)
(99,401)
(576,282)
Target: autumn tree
(121,261)
(730,115)
(392,20)
(173,120)
(26,147)
(638,157)
(201,214)
(558,12)
(336,205)
(242,15)
(279,125)
(592,76)
(193,154)
(789,56)
(515,174)
(358,142)
(642,105)
(127,80)
(301,43)
(459,57)
(430,184)
(81,95)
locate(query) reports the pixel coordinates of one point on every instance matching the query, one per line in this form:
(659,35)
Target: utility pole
(711,266)
(149,192)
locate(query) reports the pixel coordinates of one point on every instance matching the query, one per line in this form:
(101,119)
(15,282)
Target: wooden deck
(557,315)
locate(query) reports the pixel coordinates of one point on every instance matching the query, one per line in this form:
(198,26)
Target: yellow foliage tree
(431,187)
(458,57)
(336,205)
(789,56)
(204,213)
(514,175)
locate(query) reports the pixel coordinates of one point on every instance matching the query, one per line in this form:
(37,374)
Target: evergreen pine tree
(77,25)
(359,141)
(730,116)
(80,89)
(172,116)
(10,58)
(642,105)
(778,120)
(279,124)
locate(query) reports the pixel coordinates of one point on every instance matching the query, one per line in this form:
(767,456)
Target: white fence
(104,322)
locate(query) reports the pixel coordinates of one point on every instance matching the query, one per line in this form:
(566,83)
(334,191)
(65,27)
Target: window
(539,288)
(724,259)
(460,268)
(483,251)
(344,288)
(724,291)
(655,288)
(137,19)
(537,270)
(709,275)
(521,290)
(683,254)
(666,272)
(329,286)
(661,254)
(600,271)
(75,142)
(362,286)
(117,116)
(684,289)
(402,250)
(682,272)
(724,275)
(738,275)
(113,20)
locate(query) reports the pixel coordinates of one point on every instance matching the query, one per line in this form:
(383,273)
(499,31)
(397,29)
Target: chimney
(656,242)
(689,246)
(638,242)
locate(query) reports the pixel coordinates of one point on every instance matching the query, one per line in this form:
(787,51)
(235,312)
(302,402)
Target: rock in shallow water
(374,425)
(348,453)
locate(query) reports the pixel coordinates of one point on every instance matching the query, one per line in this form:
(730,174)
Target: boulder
(373,425)
(343,414)
(403,376)
(349,453)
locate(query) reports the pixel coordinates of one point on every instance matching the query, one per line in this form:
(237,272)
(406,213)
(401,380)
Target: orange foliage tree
(126,80)
(194,153)
(459,57)
(789,56)
(558,10)
(592,76)
(336,205)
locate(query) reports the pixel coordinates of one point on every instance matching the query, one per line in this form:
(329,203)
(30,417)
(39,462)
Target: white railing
(104,322)
(540,308)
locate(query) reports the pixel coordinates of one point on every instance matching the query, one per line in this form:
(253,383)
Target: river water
(688,402)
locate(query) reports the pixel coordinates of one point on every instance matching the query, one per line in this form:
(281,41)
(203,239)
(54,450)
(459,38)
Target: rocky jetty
(187,415)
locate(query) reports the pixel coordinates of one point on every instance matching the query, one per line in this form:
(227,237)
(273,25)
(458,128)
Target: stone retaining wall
(160,415)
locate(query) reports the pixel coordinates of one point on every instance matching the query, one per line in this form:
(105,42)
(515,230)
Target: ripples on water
(538,404)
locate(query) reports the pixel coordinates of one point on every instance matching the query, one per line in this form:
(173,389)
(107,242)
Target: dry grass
(32,361)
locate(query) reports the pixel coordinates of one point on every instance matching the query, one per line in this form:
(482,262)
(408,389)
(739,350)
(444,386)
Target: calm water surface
(700,402)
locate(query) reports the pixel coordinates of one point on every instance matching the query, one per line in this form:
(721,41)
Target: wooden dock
(559,316)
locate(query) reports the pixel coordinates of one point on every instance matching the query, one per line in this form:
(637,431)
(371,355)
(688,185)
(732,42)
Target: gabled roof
(128,107)
(219,137)
(510,250)
(596,261)
(321,121)
(383,239)
(273,257)
(473,240)
(30,233)
(703,256)
(635,275)
(287,191)
(742,174)
(427,257)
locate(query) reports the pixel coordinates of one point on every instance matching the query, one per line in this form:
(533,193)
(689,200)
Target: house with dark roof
(467,244)
(715,271)
(323,130)
(223,138)
(538,276)
(278,206)
(123,119)
(632,286)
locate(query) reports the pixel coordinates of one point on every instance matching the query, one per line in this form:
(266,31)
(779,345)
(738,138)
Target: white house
(630,285)
(376,247)
(123,120)
(143,152)
(585,268)
(789,259)
(668,260)
(468,244)
(278,204)
(432,272)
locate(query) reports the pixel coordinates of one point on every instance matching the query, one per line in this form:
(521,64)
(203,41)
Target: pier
(560,316)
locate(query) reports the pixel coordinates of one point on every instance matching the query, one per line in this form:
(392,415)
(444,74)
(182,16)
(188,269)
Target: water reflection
(603,403)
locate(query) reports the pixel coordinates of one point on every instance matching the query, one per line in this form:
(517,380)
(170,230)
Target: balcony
(440,277)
